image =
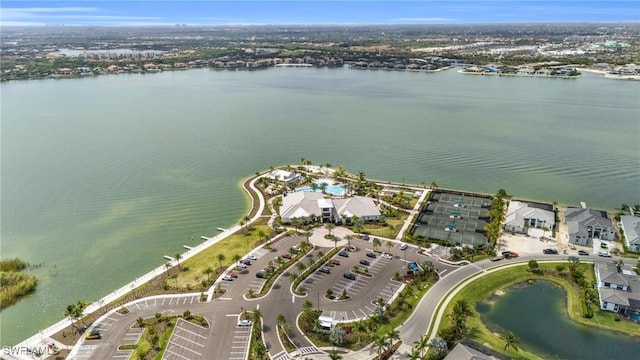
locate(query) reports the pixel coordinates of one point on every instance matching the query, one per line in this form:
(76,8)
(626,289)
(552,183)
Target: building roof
(631,227)
(464,352)
(282,175)
(303,204)
(518,211)
(578,219)
(300,204)
(609,274)
(356,206)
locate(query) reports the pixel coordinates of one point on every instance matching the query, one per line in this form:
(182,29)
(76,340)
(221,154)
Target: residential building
(470,350)
(584,225)
(521,216)
(618,289)
(314,206)
(630,226)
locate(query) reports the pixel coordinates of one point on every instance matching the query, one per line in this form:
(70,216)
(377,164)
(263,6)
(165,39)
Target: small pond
(537,315)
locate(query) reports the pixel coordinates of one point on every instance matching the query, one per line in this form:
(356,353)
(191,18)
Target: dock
(187,247)
(169,258)
(221,229)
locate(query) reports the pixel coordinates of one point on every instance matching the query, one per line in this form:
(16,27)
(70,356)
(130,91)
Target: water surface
(102,176)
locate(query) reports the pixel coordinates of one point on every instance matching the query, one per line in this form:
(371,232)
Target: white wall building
(521,216)
(315,206)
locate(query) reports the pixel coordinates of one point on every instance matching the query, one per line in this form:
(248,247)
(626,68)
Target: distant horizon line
(637,22)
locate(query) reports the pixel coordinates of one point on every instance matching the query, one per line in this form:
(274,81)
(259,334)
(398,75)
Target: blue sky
(212,12)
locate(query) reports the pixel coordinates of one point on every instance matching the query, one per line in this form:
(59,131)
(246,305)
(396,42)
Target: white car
(252,257)
(404,247)
(386,256)
(241,265)
(227,278)
(244,322)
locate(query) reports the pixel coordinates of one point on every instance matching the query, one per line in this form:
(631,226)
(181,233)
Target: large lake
(103,176)
(537,315)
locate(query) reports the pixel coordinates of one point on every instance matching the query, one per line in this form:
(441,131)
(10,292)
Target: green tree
(389,245)
(178,256)
(422,344)
(221,258)
(511,341)
(376,243)
(74,312)
(334,355)
(439,346)
(379,343)
(392,336)
(533,265)
(208,271)
(330,226)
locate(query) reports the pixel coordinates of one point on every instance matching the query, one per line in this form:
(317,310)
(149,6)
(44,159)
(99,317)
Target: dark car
(550,251)
(365,237)
(245,261)
(286,256)
(335,262)
(582,252)
(371,255)
(261,274)
(343,253)
(324,269)
(349,276)
(365,262)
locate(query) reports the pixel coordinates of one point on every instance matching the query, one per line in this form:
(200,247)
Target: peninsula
(328,263)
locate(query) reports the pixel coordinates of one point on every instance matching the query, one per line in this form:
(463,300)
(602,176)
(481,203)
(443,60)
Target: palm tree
(307,235)
(376,243)
(391,336)
(335,241)
(422,344)
(380,343)
(74,312)
(511,341)
(333,355)
(208,271)
(178,257)
(389,245)
(247,219)
(433,185)
(221,258)
(256,315)
(348,237)
(330,226)
(415,354)
(236,258)
(323,187)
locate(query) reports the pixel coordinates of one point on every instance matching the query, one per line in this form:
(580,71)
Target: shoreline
(257,206)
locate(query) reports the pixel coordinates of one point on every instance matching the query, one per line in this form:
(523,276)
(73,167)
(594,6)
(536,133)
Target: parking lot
(455,217)
(187,342)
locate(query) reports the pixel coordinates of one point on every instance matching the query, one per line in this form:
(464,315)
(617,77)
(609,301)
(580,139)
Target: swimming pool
(331,189)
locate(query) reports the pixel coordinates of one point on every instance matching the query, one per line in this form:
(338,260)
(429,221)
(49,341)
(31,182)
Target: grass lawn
(487,285)
(238,244)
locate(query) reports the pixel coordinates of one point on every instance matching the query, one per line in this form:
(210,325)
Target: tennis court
(455,217)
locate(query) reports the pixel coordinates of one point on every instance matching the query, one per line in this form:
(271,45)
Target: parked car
(245,261)
(404,247)
(241,265)
(252,257)
(324,269)
(365,237)
(582,252)
(371,255)
(244,322)
(604,254)
(296,249)
(550,251)
(232,274)
(343,253)
(261,274)
(286,256)
(93,335)
(227,278)
(350,276)
(365,262)
(335,262)
(386,256)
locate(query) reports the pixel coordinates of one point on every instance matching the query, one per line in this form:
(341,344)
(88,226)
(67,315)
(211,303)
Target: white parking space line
(191,332)
(167,350)
(189,340)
